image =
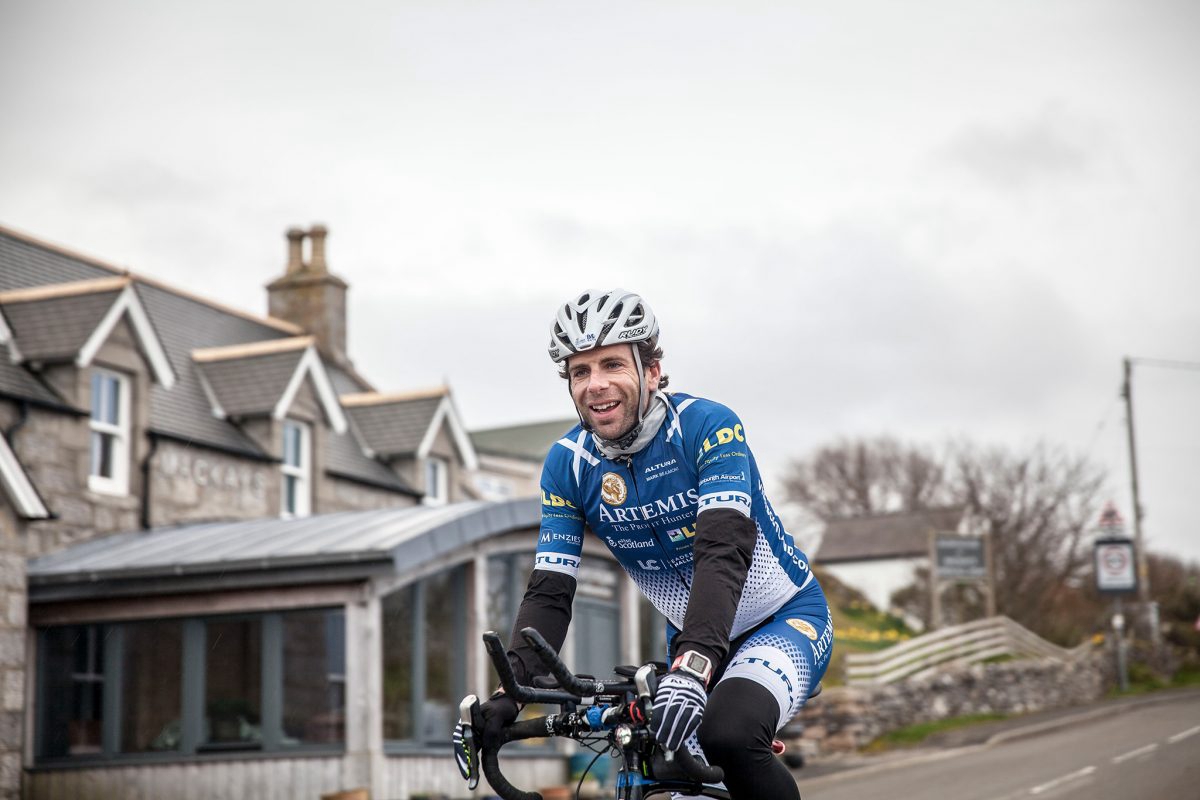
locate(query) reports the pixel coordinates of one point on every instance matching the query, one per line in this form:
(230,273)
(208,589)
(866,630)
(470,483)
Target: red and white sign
(1111,524)
(1115,568)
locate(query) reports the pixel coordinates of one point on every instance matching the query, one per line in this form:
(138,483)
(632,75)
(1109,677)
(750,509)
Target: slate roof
(18,382)
(25,263)
(251,385)
(530,441)
(347,382)
(182,323)
(347,544)
(56,328)
(394,425)
(344,457)
(898,535)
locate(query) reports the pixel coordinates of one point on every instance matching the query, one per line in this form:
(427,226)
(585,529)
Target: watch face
(698,663)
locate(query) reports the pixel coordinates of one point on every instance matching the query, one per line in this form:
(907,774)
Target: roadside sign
(1116,570)
(960,557)
(1111,523)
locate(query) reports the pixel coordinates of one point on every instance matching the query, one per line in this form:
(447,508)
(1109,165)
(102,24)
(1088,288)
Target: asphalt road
(1147,751)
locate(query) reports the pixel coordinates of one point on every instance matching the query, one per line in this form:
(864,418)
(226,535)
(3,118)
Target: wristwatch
(697,665)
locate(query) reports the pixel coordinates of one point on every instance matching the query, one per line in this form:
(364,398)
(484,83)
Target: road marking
(1179,737)
(1150,748)
(1045,787)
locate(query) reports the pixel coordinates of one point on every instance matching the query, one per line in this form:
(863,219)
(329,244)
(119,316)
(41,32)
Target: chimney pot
(295,262)
(317,234)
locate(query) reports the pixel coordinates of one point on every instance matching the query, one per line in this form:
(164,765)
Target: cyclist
(668,482)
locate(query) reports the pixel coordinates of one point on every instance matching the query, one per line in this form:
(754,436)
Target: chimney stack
(308,296)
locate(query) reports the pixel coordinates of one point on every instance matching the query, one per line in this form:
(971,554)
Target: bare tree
(867,476)
(1037,505)
(1040,509)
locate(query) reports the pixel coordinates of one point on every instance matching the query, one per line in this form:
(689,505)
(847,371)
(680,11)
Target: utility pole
(1149,611)
(1148,607)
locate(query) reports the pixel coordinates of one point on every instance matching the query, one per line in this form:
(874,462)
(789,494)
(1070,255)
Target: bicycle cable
(588,768)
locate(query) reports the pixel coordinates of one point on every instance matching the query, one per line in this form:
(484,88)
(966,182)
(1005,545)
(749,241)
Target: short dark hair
(648,351)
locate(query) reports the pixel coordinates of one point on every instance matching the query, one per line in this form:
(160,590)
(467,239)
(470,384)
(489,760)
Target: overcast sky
(932,219)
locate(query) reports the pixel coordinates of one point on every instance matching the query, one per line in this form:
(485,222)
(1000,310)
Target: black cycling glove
(498,712)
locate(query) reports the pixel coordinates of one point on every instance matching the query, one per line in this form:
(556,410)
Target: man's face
(604,386)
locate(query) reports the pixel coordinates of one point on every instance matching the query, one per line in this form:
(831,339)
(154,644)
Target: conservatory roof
(343,546)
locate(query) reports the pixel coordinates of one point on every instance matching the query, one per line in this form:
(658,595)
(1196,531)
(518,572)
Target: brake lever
(646,682)
(466,750)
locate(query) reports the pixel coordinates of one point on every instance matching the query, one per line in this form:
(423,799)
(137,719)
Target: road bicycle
(614,721)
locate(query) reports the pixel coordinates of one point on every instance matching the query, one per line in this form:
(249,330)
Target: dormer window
(109,463)
(437,481)
(297,469)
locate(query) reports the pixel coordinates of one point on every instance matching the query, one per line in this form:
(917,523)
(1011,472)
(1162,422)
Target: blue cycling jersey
(644,507)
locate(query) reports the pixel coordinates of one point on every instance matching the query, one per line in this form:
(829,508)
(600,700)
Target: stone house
(131,410)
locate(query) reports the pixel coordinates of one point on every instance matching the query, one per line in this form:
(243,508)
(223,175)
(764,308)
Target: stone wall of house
(12,652)
(193,484)
(336,494)
(53,447)
(844,718)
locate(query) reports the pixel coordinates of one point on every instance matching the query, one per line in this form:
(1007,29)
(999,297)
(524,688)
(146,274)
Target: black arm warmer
(724,549)
(546,607)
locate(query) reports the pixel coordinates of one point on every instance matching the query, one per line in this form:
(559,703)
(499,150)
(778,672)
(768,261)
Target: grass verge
(914,735)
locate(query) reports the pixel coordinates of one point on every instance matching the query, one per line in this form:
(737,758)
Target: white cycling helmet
(598,318)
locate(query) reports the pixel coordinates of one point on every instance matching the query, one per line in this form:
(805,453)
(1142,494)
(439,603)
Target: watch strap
(696,664)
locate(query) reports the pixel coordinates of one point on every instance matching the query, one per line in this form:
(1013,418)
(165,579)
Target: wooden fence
(951,647)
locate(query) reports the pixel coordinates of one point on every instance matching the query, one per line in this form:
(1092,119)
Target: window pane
(398,609)
(233,677)
(289,494)
(106,392)
(314,677)
(112,393)
(431,478)
(102,454)
(444,596)
(73,690)
(507,577)
(424,664)
(97,396)
(151,698)
(291,444)
(653,627)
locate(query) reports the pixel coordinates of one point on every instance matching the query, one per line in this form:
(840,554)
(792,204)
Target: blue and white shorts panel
(787,657)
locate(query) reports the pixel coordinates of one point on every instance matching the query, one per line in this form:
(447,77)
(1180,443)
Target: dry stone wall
(845,718)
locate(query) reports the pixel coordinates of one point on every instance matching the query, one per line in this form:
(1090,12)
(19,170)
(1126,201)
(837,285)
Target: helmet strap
(631,435)
(642,393)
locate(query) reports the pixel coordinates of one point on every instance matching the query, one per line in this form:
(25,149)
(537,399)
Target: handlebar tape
(566,679)
(525,729)
(491,771)
(698,770)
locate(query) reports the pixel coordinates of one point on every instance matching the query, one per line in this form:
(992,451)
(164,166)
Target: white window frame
(302,473)
(118,483)
(437,490)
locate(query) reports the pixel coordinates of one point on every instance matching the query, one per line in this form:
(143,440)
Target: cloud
(1049,147)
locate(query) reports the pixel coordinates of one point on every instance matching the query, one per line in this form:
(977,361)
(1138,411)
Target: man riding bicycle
(668,482)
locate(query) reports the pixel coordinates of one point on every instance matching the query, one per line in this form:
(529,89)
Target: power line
(1167,363)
